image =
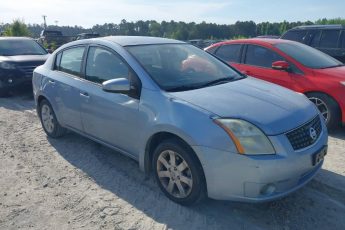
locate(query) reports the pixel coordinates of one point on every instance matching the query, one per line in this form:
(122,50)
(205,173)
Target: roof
(254,41)
(319,27)
(140,40)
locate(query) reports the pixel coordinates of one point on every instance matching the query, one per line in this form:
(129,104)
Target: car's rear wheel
(328,108)
(178,172)
(49,122)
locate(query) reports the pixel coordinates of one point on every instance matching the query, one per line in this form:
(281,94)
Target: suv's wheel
(178,172)
(49,122)
(328,108)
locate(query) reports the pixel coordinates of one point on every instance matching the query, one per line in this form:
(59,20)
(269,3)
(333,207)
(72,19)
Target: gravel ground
(74,183)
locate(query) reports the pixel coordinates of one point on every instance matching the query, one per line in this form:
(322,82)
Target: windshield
(13,47)
(179,67)
(308,56)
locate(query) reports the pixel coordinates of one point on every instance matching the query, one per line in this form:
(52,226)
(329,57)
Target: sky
(87,13)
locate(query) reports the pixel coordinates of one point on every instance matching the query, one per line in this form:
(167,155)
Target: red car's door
(258,63)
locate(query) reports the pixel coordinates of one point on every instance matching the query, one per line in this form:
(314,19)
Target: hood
(272,108)
(24,58)
(336,72)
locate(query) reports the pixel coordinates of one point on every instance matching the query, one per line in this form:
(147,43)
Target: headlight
(247,137)
(343,82)
(6,65)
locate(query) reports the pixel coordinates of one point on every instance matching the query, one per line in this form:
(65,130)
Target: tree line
(172,29)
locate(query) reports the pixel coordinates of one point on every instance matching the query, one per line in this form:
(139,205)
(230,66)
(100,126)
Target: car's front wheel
(49,122)
(328,108)
(178,172)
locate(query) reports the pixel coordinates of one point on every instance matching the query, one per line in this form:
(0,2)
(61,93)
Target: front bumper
(232,176)
(13,79)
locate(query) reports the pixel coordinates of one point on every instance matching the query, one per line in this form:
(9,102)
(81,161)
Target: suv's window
(295,35)
(315,38)
(329,39)
(230,53)
(71,60)
(343,40)
(103,65)
(260,56)
(14,47)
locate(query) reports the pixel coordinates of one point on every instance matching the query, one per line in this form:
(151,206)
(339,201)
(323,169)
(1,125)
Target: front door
(110,117)
(258,63)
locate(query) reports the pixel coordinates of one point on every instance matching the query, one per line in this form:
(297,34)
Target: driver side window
(103,65)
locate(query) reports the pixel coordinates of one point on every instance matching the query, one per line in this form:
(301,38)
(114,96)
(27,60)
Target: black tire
(198,189)
(334,117)
(57,130)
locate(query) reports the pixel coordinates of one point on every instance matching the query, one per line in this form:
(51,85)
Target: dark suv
(19,57)
(327,38)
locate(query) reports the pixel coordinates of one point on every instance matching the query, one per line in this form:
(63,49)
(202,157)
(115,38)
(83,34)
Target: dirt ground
(74,183)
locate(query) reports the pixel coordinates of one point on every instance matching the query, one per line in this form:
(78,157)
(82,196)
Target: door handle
(84,94)
(51,81)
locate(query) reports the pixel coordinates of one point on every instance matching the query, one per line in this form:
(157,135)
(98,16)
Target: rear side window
(71,60)
(315,38)
(343,39)
(260,56)
(230,53)
(103,65)
(329,39)
(295,35)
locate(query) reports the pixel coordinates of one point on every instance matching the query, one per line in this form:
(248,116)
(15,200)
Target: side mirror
(280,65)
(119,85)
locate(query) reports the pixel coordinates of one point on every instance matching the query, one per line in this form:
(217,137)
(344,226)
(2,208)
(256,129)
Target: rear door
(65,81)
(258,63)
(330,43)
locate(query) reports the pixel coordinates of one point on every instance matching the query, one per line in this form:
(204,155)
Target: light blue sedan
(201,127)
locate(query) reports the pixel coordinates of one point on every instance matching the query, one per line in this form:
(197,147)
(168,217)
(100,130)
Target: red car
(293,65)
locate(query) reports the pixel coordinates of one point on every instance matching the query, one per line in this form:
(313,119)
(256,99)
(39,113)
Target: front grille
(28,68)
(306,134)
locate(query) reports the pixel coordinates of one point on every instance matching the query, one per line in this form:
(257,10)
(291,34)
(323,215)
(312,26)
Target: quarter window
(103,65)
(260,56)
(329,39)
(230,53)
(71,60)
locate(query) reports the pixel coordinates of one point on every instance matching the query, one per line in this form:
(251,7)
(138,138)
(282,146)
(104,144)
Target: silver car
(200,126)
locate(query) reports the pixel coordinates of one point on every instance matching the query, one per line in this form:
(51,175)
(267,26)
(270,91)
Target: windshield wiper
(218,81)
(182,88)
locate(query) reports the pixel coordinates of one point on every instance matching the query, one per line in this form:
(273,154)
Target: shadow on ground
(19,99)
(316,206)
(338,133)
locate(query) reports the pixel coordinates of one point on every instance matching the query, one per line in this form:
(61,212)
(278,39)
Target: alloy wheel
(47,118)
(174,174)
(322,107)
